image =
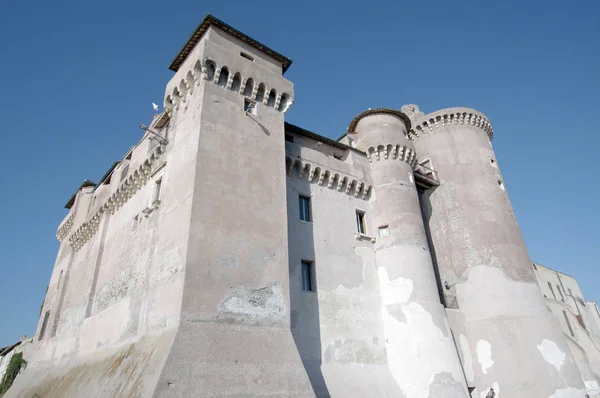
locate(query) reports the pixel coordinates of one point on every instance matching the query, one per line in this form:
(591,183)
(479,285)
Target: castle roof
(203,27)
(336,144)
(86,183)
(394,112)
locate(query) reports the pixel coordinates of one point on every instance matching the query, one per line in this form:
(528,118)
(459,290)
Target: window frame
(361,223)
(307,276)
(305,199)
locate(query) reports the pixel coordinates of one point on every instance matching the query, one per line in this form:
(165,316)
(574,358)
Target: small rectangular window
(336,156)
(562,297)
(307,276)
(249,106)
(289,138)
(570,292)
(360,222)
(568,323)
(551,290)
(384,231)
(304,204)
(248,57)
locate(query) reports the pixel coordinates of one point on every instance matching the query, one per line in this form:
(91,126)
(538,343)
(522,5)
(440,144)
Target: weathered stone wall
(483,262)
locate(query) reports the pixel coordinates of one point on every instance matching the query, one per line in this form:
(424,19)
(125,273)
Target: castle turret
(420,350)
(510,341)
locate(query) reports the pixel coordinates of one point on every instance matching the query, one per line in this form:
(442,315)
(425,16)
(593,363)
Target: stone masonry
(230,253)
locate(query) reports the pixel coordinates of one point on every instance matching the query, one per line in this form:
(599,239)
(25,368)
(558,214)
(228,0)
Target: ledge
(363,237)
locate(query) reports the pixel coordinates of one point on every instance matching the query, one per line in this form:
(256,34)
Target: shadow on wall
(426,210)
(304,303)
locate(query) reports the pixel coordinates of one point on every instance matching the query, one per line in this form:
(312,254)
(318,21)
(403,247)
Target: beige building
(579,319)
(230,253)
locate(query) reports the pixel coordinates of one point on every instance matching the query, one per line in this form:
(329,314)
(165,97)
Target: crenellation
(390,264)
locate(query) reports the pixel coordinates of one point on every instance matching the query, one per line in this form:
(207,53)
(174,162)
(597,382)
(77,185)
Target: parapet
(395,112)
(427,124)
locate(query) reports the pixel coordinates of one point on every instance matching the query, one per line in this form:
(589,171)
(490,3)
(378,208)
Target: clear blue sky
(78,77)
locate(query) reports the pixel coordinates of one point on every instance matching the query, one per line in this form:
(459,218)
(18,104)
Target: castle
(230,253)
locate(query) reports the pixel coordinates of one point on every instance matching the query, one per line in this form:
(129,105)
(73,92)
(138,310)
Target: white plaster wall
(338,328)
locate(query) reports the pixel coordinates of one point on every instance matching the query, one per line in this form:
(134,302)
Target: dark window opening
(249,106)
(289,138)
(360,222)
(237,82)
(551,290)
(271,99)
(304,203)
(336,156)
(44,325)
(568,323)
(223,77)
(562,297)
(307,276)
(248,57)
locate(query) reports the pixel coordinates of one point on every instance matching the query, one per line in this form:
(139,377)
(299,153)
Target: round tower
(510,340)
(419,345)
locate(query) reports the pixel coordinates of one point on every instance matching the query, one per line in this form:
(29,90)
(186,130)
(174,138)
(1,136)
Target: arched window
(283,102)
(249,87)
(237,82)
(44,325)
(223,77)
(271,99)
(260,94)
(210,70)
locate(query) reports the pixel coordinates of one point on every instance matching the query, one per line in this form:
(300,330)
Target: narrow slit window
(307,276)
(248,57)
(562,297)
(44,325)
(305,210)
(360,222)
(551,290)
(568,323)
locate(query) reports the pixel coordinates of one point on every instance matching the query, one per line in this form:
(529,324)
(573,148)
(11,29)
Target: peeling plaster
(568,392)
(397,291)
(408,343)
(592,387)
(552,354)
(468,360)
(268,302)
(484,355)
(496,388)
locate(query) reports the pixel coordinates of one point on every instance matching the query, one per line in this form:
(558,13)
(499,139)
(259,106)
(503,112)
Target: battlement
(427,124)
